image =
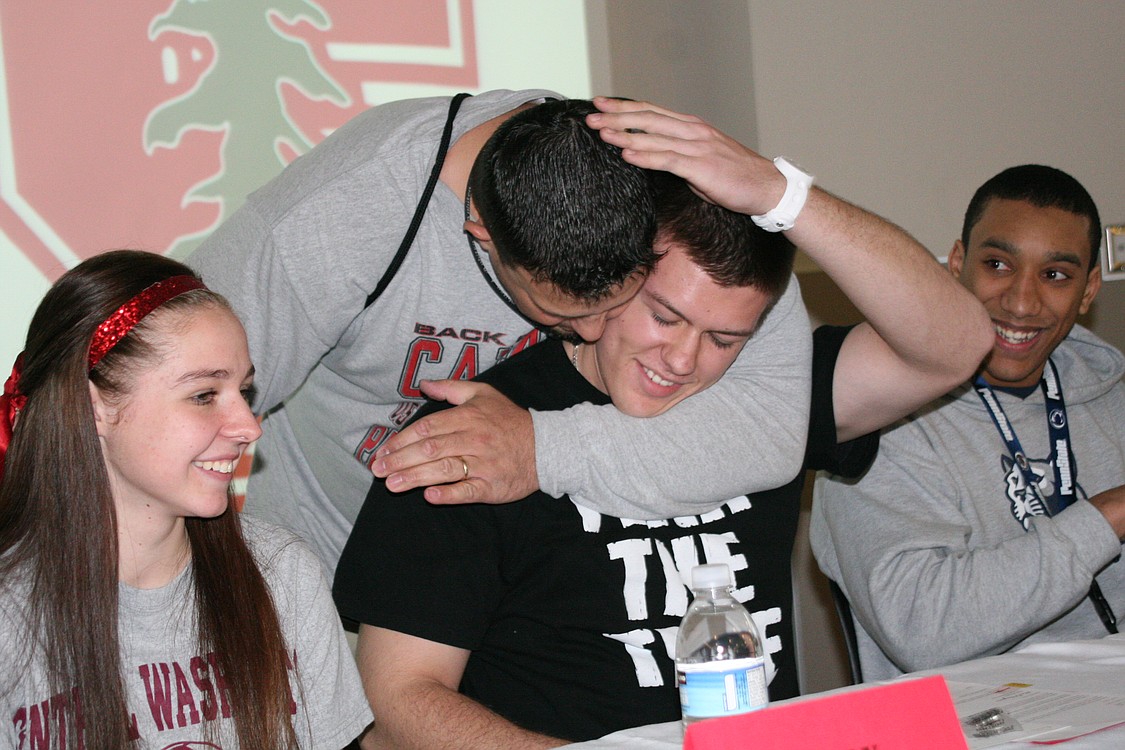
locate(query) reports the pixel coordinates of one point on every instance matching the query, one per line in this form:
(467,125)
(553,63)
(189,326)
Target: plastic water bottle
(720,663)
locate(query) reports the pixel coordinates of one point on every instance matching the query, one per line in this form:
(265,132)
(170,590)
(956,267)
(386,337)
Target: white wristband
(784,214)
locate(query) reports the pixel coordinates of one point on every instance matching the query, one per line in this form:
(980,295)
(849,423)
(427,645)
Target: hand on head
(717,166)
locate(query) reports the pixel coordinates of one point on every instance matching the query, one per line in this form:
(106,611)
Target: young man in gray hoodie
(993,517)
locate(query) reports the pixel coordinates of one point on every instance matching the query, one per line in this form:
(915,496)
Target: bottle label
(722,688)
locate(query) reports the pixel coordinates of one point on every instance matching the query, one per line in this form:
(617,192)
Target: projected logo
(144,124)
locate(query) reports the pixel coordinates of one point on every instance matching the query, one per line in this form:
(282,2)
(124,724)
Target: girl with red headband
(135,603)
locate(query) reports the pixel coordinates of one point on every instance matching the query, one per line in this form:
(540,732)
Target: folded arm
(412,686)
(929,584)
(924,334)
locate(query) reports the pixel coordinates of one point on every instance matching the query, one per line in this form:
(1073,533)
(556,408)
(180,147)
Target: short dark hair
(1045,187)
(561,203)
(729,246)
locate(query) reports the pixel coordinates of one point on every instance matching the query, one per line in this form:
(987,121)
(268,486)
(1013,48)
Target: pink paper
(908,714)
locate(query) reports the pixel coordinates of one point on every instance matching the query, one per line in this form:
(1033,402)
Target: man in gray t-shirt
(337,379)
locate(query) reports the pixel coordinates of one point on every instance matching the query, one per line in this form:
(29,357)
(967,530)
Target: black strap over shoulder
(420,211)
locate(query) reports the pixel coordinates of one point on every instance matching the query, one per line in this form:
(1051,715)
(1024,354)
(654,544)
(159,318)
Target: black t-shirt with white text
(570,615)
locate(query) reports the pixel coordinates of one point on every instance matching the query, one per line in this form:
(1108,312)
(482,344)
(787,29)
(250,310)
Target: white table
(1094,667)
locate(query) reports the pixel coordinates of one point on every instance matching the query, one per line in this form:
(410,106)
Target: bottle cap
(714,576)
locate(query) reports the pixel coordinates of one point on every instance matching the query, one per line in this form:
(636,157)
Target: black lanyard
(480,263)
(1061,459)
(423,202)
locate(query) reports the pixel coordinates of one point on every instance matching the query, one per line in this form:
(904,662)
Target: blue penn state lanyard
(1059,433)
(1062,460)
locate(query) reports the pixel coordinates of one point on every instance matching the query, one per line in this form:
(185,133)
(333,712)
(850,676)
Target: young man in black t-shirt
(543,621)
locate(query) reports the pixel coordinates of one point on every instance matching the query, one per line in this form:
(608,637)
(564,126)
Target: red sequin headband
(132,312)
(11,403)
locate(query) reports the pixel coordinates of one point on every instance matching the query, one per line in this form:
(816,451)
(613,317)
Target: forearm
(744,434)
(928,320)
(929,602)
(430,716)
(925,332)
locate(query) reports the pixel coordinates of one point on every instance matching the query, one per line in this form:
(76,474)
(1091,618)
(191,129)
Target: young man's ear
(956,260)
(478,231)
(1093,284)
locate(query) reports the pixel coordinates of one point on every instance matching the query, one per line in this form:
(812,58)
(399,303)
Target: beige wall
(906,107)
(656,54)
(903,107)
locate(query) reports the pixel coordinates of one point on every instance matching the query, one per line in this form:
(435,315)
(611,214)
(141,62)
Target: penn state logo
(1023,499)
(1057,418)
(1026,500)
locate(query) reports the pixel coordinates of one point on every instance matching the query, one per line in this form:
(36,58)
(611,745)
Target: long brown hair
(58,526)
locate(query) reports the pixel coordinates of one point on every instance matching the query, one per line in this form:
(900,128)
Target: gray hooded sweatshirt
(927,546)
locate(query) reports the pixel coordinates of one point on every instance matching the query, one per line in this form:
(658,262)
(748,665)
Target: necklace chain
(480,263)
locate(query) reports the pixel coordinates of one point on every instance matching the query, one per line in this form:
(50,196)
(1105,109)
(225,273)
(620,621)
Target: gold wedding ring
(465,466)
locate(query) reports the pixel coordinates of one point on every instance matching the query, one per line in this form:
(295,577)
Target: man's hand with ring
(480,451)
